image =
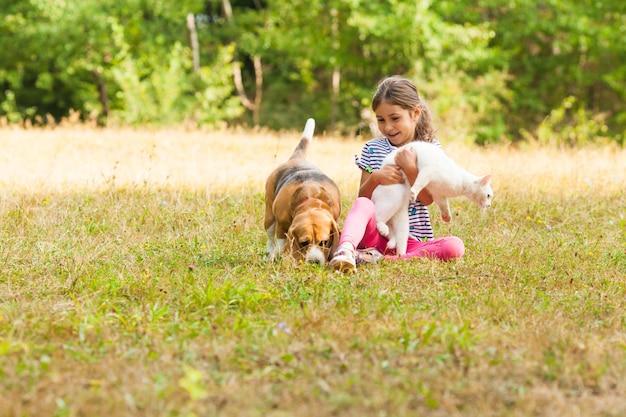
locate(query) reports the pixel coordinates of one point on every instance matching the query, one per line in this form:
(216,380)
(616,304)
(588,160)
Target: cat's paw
(413,195)
(391,244)
(446,218)
(383,229)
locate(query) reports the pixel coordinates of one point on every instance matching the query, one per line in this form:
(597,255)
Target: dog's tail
(307,138)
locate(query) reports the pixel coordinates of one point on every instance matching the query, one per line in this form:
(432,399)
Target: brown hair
(402,92)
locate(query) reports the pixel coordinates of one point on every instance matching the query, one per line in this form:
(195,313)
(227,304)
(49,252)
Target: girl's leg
(359,227)
(359,231)
(443,248)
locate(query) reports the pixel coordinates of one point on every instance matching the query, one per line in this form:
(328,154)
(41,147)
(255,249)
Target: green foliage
(493,70)
(166,92)
(366,41)
(63,54)
(10,109)
(214,101)
(572,125)
(554,50)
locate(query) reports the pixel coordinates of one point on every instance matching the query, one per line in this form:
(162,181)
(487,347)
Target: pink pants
(359,228)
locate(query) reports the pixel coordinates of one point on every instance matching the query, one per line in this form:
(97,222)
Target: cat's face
(483,193)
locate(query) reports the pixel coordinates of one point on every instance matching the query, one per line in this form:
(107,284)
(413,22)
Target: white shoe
(343,260)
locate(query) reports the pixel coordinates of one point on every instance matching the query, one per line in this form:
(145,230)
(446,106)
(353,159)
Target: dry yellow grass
(229,161)
(216,161)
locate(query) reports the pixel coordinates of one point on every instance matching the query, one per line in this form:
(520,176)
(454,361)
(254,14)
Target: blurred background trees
(492,70)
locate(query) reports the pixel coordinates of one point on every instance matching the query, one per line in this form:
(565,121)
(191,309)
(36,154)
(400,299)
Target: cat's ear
(485,180)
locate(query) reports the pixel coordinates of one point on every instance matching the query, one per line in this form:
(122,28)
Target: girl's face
(397,123)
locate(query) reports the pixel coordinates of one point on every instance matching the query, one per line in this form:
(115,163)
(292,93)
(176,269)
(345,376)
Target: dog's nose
(315,256)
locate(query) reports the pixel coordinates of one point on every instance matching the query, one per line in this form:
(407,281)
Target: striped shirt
(372,155)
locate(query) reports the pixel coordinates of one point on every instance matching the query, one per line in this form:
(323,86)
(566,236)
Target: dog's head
(313,236)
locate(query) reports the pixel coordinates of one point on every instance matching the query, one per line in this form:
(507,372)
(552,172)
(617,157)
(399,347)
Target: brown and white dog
(302,206)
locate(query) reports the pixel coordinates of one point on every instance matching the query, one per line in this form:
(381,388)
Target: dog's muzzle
(315,255)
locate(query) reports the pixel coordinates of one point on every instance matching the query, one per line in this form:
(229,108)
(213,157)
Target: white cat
(443,179)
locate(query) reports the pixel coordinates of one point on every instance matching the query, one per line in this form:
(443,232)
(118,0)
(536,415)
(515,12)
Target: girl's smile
(397,123)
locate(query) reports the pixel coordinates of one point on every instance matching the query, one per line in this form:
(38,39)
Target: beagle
(302,206)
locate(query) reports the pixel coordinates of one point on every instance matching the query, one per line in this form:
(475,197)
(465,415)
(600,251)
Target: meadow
(132,282)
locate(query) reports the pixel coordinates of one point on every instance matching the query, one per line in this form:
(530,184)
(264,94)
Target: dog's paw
(413,195)
(271,254)
(391,243)
(383,229)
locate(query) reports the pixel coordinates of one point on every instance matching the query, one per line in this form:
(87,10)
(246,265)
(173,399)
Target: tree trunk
(336,77)
(193,40)
(258,72)
(251,105)
(334,98)
(228,10)
(102,96)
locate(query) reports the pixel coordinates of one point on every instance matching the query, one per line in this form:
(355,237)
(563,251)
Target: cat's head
(483,193)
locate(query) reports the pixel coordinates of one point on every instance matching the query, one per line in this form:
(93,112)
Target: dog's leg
(270,222)
(280,239)
(280,244)
(270,249)
(275,241)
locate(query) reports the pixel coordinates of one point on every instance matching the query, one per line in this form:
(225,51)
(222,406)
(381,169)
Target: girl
(402,117)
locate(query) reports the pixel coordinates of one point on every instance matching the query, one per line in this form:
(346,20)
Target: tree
(554,50)
(112,59)
(491,69)
(328,55)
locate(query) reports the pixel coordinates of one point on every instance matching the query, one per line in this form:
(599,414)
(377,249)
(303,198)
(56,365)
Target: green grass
(155,300)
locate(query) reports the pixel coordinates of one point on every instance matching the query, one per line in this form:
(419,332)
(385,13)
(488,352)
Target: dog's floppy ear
(334,240)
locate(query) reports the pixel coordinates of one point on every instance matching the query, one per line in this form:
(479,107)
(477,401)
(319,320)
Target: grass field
(132,282)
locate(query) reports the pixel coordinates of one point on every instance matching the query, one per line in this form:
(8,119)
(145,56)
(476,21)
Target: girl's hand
(389,174)
(406,156)
(406,159)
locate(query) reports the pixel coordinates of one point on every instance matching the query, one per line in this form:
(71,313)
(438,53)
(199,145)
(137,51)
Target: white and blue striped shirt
(372,155)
